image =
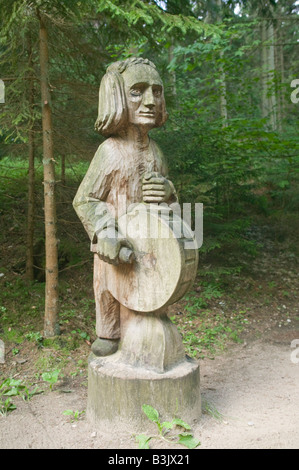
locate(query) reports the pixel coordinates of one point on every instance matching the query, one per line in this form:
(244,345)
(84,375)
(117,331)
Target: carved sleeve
(90,200)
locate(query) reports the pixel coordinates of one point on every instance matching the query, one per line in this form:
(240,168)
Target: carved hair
(112,114)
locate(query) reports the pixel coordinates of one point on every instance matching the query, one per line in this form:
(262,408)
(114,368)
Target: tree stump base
(117,391)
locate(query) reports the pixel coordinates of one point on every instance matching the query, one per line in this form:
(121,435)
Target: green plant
(75,415)
(184,437)
(272,284)
(194,302)
(210,409)
(6,406)
(52,377)
(82,334)
(207,332)
(192,343)
(81,365)
(12,335)
(35,337)
(3,314)
(12,388)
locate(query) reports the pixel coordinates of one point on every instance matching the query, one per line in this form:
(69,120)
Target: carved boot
(104,347)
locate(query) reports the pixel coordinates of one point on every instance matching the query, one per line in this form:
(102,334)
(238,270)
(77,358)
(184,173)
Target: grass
(210,409)
(209,334)
(21,330)
(204,331)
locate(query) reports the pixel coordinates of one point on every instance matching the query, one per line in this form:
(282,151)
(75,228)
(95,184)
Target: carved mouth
(147,114)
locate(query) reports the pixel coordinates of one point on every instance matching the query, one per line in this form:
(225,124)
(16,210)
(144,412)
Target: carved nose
(149,100)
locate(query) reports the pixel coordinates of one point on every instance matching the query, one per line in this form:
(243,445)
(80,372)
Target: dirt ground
(251,391)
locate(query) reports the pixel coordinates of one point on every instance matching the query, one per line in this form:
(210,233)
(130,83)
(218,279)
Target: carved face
(144,95)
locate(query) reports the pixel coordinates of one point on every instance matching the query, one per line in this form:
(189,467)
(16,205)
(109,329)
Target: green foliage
(6,406)
(236,170)
(229,168)
(11,388)
(82,334)
(74,415)
(184,437)
(194,303)
(210,409)
(12,335)
(52,377)
(138,11)
(204,332)
(36,337)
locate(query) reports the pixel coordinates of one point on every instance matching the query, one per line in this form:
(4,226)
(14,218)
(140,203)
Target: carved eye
(135,92)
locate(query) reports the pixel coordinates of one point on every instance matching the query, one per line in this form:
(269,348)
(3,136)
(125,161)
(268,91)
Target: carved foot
(104,347)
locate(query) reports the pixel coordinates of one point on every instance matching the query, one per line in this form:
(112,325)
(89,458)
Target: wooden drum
(165,259)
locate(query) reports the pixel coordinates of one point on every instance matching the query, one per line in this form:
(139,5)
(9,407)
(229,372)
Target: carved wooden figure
(130,211)
(136,275)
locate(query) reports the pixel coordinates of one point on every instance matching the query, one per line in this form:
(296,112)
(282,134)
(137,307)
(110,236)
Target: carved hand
(156,188)
(109,246)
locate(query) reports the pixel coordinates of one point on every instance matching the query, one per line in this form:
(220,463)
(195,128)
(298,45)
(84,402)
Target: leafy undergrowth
(230,305)
(46,362)
(175,431)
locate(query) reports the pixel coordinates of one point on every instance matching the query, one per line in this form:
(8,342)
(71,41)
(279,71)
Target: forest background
(230,70)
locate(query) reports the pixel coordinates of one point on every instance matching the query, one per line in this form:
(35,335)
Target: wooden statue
(145,258)
(132,276)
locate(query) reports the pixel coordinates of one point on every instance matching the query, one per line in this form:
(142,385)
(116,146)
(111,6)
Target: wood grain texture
(163,269)
(129,168)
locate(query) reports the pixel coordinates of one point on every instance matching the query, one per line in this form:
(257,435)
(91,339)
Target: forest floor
(252,394)
(249,380)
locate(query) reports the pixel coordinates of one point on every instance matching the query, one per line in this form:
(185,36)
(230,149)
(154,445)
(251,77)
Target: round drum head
(163,269)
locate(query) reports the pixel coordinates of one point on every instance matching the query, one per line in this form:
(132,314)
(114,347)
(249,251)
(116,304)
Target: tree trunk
(282,95)
(269,104)
(51,295)
(172,74)
(223,92)
(264,71)
(29,274)
(280,76)
(271,78)
(62,174)
(223,88)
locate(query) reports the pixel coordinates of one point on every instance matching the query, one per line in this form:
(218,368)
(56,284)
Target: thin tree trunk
(271,77)
(62,174)
(172,73)
(223,88)
(51,295)
(29,274)
(264,71)
(223,93)
(280,77)
(282,96)
(269,104)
